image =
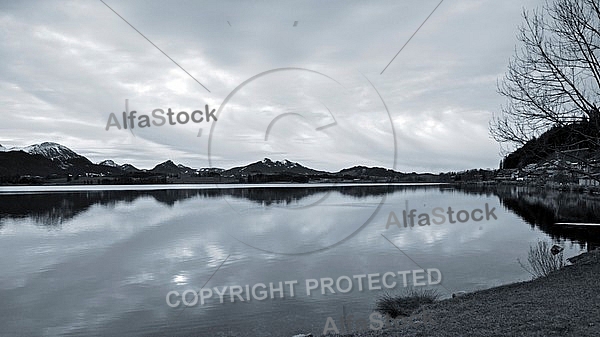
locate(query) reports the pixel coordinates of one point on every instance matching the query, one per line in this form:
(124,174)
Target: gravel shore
(565,303)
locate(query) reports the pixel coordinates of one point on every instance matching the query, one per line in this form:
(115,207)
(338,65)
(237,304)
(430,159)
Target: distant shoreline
(575,188)
(206,186)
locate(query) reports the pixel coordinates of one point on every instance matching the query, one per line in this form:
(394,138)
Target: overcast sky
(65,66)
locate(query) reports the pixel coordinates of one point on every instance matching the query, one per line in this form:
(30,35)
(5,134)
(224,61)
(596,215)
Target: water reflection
(543,208)
(53,209)
(101,263)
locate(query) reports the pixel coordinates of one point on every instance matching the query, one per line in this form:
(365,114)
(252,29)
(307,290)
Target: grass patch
(406,303)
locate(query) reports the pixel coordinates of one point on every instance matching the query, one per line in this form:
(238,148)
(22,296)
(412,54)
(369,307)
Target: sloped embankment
(565,303)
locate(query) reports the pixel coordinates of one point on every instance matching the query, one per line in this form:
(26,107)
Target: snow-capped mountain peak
(108,163)
(54,152)
(285,163)
(51,151)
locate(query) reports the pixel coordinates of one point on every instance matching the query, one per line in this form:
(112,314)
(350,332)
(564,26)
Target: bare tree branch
(553,81)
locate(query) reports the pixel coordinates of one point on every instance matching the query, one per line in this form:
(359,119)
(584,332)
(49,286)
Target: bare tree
(553,82)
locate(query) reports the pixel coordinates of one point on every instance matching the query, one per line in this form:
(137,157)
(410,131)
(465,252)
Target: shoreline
(569,188)
(189,186)
(564,303)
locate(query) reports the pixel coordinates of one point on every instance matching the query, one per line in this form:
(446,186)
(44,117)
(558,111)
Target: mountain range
(52,160)
(47,159)
(267,166)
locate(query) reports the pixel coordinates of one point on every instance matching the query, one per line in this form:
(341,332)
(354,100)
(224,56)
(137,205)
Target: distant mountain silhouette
(62,155)
(129,168)
(37,163)
(170,168)
(358,171)
(21,163)
(108,163)
(47,159)
(267,166)
(124,167)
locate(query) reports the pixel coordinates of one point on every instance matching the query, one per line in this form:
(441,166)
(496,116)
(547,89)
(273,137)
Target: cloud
(66,65)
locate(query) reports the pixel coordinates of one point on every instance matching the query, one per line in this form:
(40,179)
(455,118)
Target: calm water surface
(101,263)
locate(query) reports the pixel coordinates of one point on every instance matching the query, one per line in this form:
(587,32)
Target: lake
(101,262)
